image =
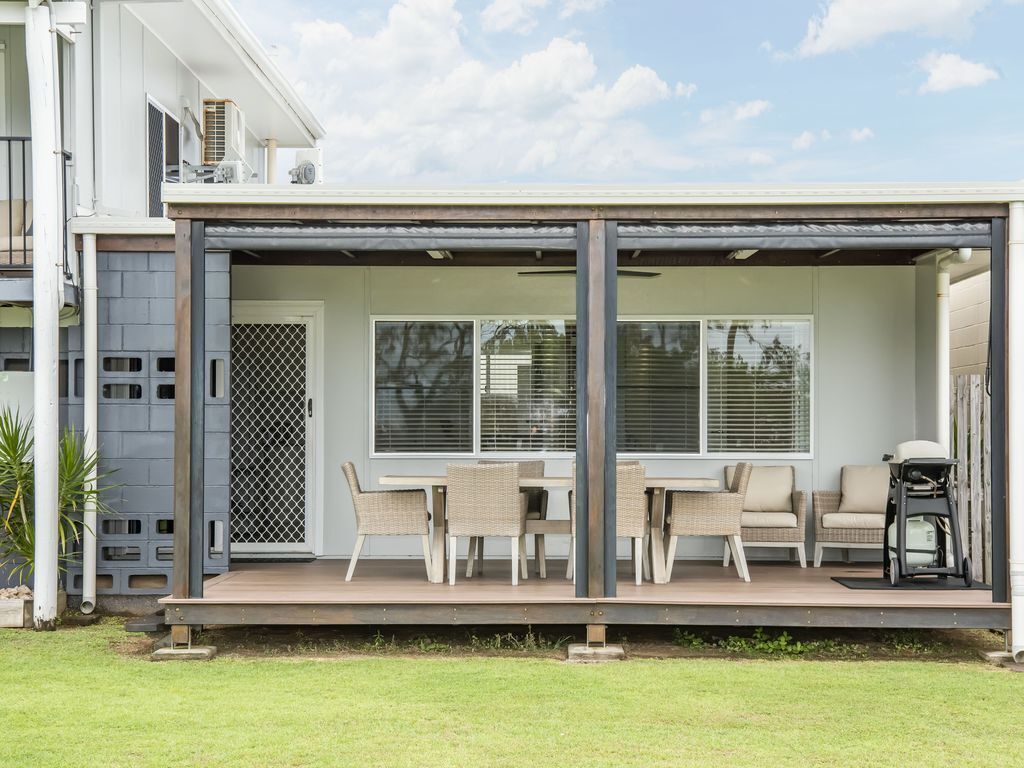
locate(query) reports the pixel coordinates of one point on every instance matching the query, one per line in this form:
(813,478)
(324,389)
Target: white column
(90,420)
(942,359)
(47,272)
(271,173)
(1015,419)
(82,145)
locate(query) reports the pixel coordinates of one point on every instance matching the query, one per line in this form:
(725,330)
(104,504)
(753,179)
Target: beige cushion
(12,216)
(768,520)
(853,520)
(770,489)
(864,488)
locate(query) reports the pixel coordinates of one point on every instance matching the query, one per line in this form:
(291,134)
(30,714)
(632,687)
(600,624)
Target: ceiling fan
(619,272)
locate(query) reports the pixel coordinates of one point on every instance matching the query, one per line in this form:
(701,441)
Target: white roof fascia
(120,225)
(735,194)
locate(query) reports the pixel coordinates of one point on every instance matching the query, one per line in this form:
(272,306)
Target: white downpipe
(47,269)
(90,421)
(271,161)
(942,370)
(1015,419)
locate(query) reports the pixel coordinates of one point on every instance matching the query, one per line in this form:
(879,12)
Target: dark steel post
(581,490)
(197,395)
(997,389)
(609,371)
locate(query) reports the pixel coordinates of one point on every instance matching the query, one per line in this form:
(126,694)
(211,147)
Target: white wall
(865,356)
(968,324)
(132,64)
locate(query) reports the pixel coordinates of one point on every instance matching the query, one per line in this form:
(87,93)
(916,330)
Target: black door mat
(921,582)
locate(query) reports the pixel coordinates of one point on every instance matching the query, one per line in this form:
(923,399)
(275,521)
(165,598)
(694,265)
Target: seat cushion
(768,520)
(853,520)
(770,489)
(864,488)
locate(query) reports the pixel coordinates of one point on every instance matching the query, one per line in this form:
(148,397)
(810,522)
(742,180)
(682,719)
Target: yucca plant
(17,497)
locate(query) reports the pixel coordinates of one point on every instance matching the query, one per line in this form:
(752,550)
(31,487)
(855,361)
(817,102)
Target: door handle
(309,407)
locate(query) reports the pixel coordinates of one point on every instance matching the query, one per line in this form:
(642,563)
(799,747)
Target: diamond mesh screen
(268,433)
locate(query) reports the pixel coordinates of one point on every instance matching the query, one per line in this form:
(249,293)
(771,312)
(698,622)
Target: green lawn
(77,698)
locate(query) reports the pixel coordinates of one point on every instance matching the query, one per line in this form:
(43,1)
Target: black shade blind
(527,385)
(154,158)
(423,387)
(658,394)
(759,386)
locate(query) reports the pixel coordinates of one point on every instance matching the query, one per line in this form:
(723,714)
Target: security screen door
(272,405)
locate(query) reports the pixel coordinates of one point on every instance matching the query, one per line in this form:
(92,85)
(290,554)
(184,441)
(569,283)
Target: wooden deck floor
(396,591)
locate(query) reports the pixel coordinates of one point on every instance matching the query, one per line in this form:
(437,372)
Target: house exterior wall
(131,66)
(969,308)
(865,358)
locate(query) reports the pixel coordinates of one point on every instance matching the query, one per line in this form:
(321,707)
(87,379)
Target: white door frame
(311,313)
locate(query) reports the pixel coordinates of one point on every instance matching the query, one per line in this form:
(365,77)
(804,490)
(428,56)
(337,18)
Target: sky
(656,91)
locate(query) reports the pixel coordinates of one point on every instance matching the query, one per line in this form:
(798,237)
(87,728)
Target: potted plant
(17,505)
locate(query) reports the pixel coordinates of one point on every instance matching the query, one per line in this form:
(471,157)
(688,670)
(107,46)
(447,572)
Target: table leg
(658,536)
(437,556)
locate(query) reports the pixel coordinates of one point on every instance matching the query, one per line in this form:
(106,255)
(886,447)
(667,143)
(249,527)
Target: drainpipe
(90,421)
(943,264)
(47,274)
(271,161)
(1015,422)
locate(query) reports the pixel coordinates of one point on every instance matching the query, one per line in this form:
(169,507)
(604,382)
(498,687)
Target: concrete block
(126,262)
(128,471)
(218,338)
(148,336)
(581,652)
(217,446)
(216,468)
(218,312)
(109,285)
(192,653)
(116,417)
(218,261)
(218,418)
(161,418)
(127,311)
(161,472)
(110,337)
(215,498)
(148,445)
(148,284)
(161,262)
(108,444)
(161,311)
(147,498)
(218,285)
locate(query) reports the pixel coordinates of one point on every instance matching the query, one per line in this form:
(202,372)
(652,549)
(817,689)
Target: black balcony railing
(16,203)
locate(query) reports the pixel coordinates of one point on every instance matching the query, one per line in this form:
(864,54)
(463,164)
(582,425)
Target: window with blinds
(527,385)
(423,387)
(658,393)
(758,386)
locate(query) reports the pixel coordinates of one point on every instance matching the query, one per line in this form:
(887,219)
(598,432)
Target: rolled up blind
(658,392)
(527,385)
(423,387)
(758,398)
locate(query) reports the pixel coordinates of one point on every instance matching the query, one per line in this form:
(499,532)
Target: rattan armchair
(774,512)
(631,516)
(698,513)
(484,500)
(859,528)
(387,513)
(536,509)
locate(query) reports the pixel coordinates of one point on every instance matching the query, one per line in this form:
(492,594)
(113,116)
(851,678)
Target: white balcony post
(1015,419)
(47,274)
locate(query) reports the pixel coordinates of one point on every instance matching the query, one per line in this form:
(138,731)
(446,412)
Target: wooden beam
(197,409)
(182,405)
(570,213)
(582,489)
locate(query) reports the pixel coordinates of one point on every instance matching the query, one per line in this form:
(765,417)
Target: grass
(89,697)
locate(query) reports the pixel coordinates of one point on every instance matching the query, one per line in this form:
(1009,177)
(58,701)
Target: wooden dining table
(659,486)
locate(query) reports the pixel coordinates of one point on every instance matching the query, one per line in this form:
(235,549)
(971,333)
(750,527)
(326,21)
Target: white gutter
(943,263)
(47,268)
(90,420)
(1015,422)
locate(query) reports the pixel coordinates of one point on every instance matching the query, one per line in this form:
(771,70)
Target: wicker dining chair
(387,513)
(484,500)
(631,517)
(536,509)
(698,513)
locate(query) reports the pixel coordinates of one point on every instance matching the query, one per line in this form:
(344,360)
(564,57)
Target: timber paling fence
(971,416)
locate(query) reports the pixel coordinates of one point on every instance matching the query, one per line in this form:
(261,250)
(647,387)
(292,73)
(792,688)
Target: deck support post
(189,401)
(1015,422)
(595,429)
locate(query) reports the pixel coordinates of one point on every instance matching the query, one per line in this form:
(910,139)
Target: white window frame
(702,320)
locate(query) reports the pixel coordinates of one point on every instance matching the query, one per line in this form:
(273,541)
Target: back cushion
(770,489)
(864,488)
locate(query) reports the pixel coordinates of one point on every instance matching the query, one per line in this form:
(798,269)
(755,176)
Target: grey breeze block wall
(136,419)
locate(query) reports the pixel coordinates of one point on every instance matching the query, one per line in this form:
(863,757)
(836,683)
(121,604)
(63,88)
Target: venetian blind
(758,389)
(527,385)
(423,387)
(658,393)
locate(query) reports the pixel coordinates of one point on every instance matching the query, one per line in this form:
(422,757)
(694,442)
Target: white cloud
(685,90)
(750,109)
(572,7)
(805,140)
(846,24)
(861,134)
(410,102)
(947,71)
(760,157)
(514,15)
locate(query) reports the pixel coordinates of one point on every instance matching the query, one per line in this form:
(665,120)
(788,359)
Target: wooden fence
(971,413)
